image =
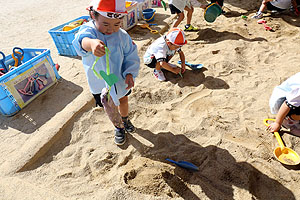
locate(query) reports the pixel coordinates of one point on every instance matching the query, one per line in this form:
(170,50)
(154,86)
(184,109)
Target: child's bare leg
(263,6)
(180,17)
(123,107)
(124,114)
(158,66)
(189,14)
(259,13)
(188,26)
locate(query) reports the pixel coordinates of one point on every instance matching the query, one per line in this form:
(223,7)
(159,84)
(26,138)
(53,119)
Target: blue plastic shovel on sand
(193,66)
(184,164)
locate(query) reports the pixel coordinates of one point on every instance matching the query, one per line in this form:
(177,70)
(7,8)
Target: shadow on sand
(218,169)
(210,36)
(196,78)
(43,108)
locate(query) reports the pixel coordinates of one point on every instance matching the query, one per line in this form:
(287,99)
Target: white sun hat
(176,36)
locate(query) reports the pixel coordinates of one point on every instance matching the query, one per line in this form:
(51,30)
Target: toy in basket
(17,55)
(75,24)
(63,39)
(33,76)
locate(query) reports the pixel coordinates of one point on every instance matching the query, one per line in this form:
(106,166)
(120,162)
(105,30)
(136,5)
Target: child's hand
(176,70)
(274,127)
(98,47)
(183,69)
(129,81)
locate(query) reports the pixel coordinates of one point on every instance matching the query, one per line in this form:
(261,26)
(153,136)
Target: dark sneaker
(120,136)
(128,126)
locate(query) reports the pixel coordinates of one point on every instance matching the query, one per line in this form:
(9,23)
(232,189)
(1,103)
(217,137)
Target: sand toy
(151,30)
(264,22)
(192,66)
(184,164)
(284,154)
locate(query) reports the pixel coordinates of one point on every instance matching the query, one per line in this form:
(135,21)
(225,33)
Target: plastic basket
(63,39)
(34,61)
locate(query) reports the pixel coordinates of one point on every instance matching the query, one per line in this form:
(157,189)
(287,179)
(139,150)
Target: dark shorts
(293,109)
(271,7)
(154,61)
(174,10)
(220,2)
(98,98)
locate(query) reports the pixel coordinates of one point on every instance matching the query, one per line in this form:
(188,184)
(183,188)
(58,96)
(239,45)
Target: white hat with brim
(176,36)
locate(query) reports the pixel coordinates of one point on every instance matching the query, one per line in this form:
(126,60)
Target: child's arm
(182,58)
(129,81)
(96,46)
(131,61)
(166,66)
(283,111)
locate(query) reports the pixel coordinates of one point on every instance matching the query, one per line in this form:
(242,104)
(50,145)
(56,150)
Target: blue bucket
(148,14)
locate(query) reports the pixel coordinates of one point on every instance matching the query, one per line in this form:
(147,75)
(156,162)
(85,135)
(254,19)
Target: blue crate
(9,103)
(63,39)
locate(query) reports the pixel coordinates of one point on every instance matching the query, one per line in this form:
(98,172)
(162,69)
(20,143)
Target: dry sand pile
(211,117)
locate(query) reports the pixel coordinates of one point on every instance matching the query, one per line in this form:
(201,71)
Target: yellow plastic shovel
(284,154)
(147,26)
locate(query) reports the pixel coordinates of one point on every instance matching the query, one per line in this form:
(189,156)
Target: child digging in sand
(160,52)
(285,102)
(90,42)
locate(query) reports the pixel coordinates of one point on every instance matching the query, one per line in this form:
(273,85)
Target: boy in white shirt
(160,52)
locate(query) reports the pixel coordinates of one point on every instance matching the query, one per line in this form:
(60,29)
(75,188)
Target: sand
(61,146)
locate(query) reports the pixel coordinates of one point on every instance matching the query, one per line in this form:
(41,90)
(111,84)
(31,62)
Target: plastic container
(212,12)
(63,39)
(131,19)
(34,61)
(148,14)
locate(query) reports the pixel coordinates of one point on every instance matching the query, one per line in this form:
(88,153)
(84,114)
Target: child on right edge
(277,5)
(285,102)
(160,52)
